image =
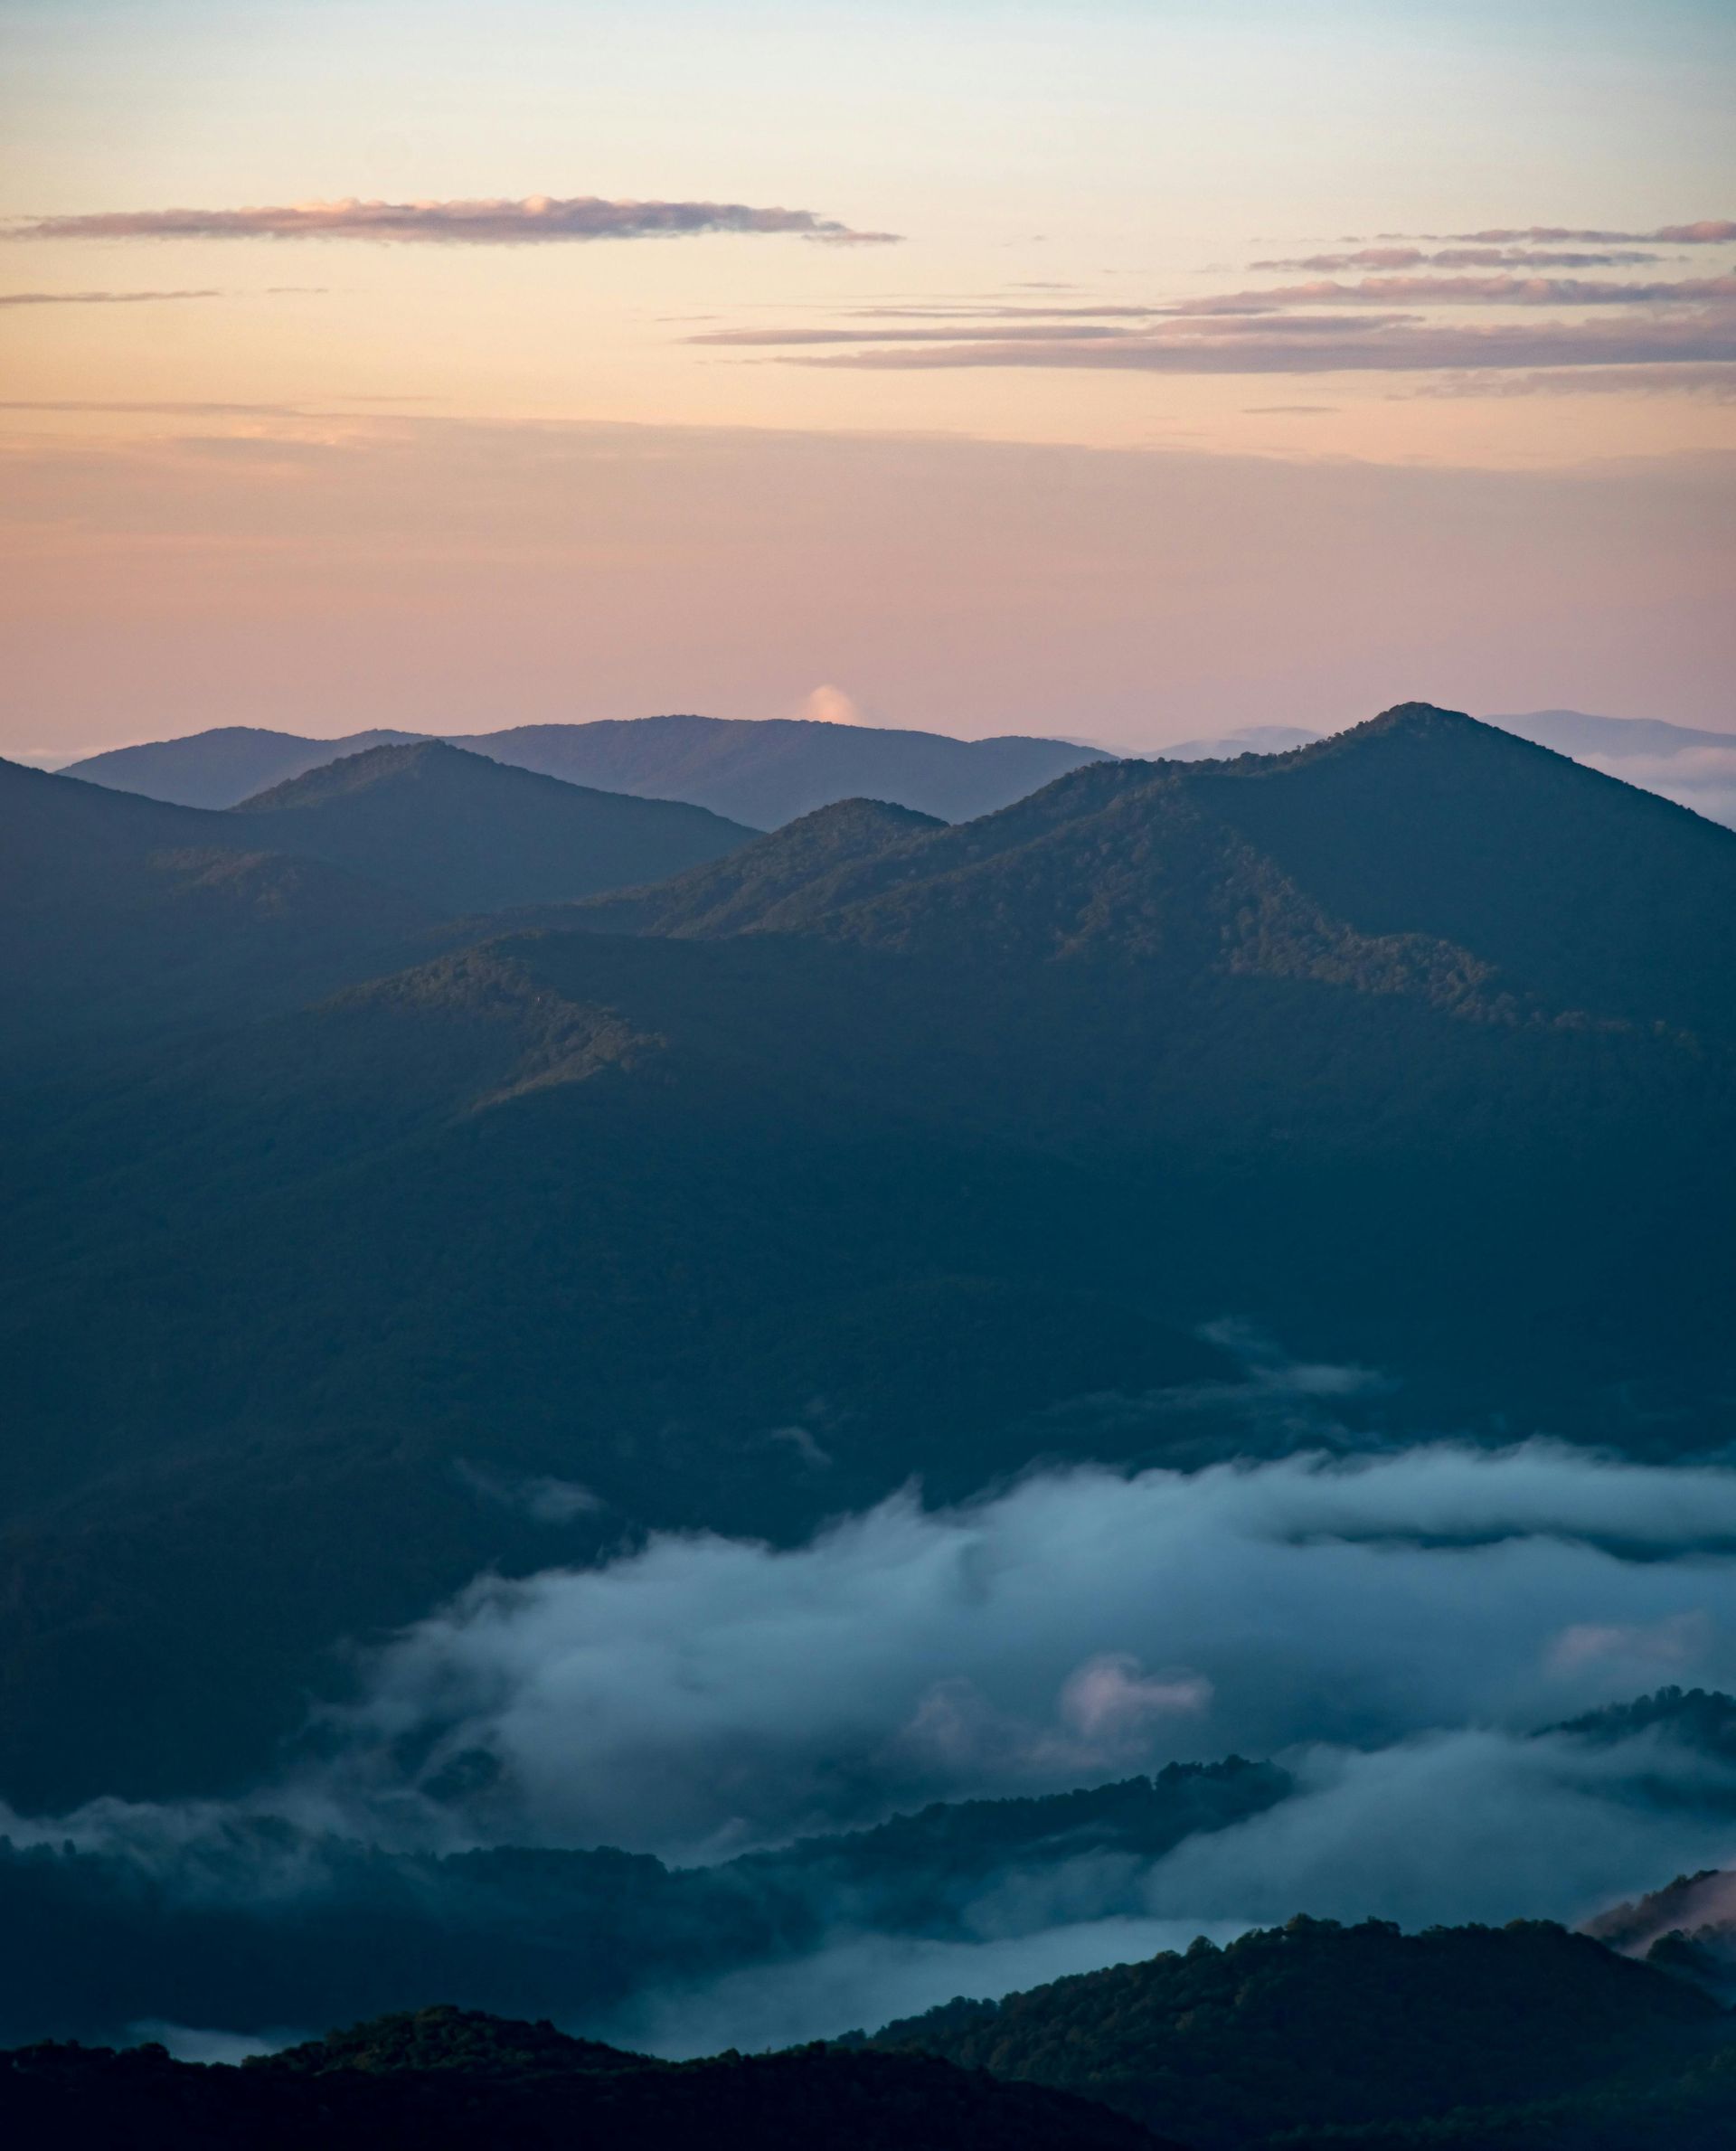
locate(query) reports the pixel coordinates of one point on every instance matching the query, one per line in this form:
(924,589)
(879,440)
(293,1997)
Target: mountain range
(766,773)
(446,2080)
(938,1143)
(761,772)
(1522,2038)
(246,1921)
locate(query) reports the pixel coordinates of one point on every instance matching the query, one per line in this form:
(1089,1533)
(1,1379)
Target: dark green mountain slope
(1342,861)
(220,767)
(941,1172)
(751,888)
(445,2080)
(1316,2026)
(121,913)
(471,835)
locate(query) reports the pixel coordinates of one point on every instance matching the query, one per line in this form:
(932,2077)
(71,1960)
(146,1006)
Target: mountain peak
(406,760)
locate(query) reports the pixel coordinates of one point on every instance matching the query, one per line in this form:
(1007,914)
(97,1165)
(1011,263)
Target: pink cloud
(537,218)
(1288,344)
(1483,257)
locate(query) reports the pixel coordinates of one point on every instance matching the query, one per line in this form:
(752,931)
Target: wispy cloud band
(94,298)
(1706,232)
(536,218)
(1352,347)
(1474,257)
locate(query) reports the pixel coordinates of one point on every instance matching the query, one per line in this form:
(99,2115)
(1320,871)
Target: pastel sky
(1125,369)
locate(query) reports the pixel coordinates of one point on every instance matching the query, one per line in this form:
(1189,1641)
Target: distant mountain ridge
(766,772)
(221,767)
(759,771)
(1575,732)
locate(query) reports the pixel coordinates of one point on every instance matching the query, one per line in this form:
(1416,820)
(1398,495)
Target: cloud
(1393,299)
(1375,324)
(1701,777)
(1356,347)
(1645,1652)
(95,298)
(750,339)
(1709,232)
(1504,289)
(1485,257)
(191,2043)
(1474,1823)
(543,1499)
(828,704)
(1288,345)
(537,218)
(865,1980)
(1712,379)
(1393,1626)
(706,1693)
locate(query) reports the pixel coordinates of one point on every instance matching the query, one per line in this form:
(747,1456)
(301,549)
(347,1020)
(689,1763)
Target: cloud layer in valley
(1393,1628)
(704,1692)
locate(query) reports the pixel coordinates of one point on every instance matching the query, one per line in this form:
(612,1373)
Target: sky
(1126,369)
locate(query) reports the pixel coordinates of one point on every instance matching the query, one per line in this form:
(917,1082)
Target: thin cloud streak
(1687,380)
(96,298)
(1502,290)
(1707,232)
(1488,257)
(1359,348)
(538,218)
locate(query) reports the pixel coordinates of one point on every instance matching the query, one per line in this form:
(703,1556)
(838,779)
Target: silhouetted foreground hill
(1316,2033)
(444,2080)
(759,771)
(936,1144)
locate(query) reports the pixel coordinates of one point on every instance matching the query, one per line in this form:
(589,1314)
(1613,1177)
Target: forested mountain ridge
(911,1137)
(122,913)
(1316,2032)
(126,913)
(1342,857)
(445,2080)
(472,834)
